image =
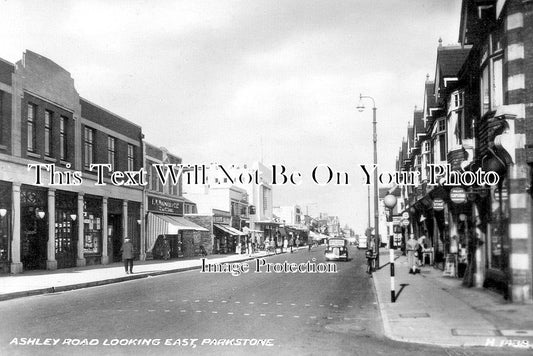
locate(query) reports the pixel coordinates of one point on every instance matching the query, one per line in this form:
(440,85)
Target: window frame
(63,137)
(112,152)
(88,146)
(31,129)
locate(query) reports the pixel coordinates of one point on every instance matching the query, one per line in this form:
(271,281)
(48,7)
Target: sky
(234,82)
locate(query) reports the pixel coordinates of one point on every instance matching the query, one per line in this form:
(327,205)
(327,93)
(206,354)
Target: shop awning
(315,236)
(235,231)
(177,223)
(248,230)
(226,229)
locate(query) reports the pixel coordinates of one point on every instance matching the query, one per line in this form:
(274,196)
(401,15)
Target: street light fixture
(361,108)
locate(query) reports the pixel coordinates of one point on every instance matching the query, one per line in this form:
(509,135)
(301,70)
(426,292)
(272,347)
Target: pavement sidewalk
(43,281)
(438,310)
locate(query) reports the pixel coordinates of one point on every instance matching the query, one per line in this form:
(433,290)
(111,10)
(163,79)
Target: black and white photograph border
(299,177)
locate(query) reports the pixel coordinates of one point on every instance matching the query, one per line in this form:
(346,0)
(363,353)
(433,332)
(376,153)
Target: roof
(418,120)
(429,96)
(450,59)
(410,136)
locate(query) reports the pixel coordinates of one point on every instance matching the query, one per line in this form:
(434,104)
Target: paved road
(297,314)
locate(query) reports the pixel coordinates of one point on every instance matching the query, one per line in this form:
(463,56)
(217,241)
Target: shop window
(499,227)
(48,132)
(31,127)
(92,225)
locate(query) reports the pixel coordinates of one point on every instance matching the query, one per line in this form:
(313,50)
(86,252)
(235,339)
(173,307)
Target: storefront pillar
(142,255)
(124,219)
(51,263)
(105,256)
(80,261)
(16,264)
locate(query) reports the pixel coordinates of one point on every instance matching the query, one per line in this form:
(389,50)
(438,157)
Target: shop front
(168,234)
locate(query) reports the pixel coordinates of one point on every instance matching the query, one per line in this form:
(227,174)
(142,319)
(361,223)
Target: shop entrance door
(34,227)
(66,230)
(114,237)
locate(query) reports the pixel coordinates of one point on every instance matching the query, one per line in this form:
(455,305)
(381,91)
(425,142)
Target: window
(442,148)
(111,153)
(154,180)
(491,84)
(63,138)
(48,132)
(265,199)
(1,119)
(32,138)
(88,147)
(130,157)
(441,125)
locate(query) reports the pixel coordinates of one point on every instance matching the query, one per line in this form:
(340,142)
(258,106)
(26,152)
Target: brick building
(480,117)
(63,219)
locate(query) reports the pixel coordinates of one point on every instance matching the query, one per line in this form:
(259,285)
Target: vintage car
(336,249)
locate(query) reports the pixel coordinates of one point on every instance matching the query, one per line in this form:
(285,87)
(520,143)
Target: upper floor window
(88,145)
(130,158)
(441,126)
(63,137)
(48,132)
(111,152)
(32,136)
(491,81)
(458,99)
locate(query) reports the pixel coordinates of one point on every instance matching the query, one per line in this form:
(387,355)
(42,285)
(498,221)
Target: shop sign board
(438,204)
(162,205)
(458,195)
(396,220)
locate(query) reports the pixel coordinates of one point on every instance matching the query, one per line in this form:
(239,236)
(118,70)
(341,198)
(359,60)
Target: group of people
(415,252)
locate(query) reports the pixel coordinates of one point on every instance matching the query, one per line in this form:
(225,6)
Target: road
(212,313)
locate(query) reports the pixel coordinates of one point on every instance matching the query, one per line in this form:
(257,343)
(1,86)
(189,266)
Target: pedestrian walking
(412,247)
(127,255)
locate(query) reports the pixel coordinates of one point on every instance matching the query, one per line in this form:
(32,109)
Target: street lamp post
(361,107)
(390,203)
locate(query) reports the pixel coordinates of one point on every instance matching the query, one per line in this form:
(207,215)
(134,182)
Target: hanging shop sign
(405,222)
(438,204)
(458,195)
(504,194)
(405,215)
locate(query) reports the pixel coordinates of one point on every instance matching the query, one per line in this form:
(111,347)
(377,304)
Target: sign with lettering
(458,195)
(162,205)
(438,204)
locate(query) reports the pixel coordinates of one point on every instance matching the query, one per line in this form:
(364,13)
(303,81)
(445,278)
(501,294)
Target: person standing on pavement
(412,247)
(421,250)
(127,255)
